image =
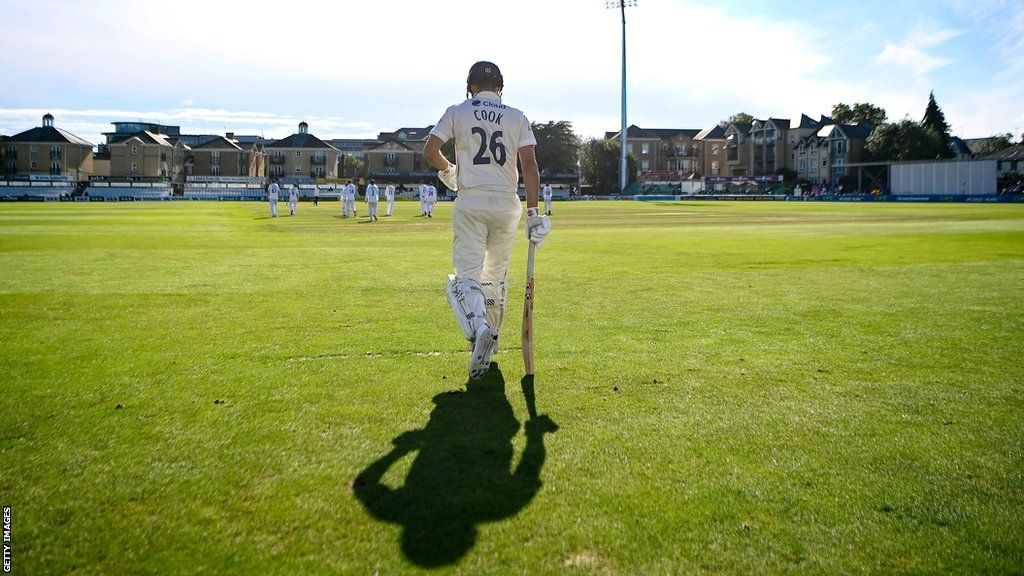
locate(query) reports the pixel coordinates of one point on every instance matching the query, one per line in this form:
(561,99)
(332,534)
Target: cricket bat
(527,343)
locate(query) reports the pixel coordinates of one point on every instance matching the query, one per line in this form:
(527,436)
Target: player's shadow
(462,474)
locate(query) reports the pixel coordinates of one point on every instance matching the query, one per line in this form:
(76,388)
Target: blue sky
(353,69)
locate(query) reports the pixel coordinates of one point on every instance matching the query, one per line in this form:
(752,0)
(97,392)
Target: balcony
(318,160)
(277,159)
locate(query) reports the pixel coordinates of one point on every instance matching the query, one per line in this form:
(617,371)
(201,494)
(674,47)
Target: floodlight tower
(623,172)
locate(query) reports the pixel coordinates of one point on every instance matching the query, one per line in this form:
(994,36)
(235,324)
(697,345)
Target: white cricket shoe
(484,344)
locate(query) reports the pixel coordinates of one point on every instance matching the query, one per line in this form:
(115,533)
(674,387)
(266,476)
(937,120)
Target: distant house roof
(742,127)
(49,134)
(392,142)
(145,136)
(715,133)
(806,122)
(959,146)
(218,143)
(249,140)
(850,131)
(407,134)
(302,140)
(634,131)
(1015,152)
(972,146)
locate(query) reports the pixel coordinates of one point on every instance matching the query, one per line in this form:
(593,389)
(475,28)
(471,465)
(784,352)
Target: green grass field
(737,388)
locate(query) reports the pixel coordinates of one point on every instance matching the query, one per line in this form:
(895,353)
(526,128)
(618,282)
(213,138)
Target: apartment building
(301,156)
(398,156)
(147,155)
(737,152)
(47,150)
(661,152)
(768,146)
(225,156)
(711,156)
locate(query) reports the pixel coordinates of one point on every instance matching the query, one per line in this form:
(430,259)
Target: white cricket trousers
(372,208)
(547,205)
(273,208)
(391,205)
(485,226)
(291,206)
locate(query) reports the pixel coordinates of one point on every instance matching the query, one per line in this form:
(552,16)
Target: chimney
(229,135)
(303,128)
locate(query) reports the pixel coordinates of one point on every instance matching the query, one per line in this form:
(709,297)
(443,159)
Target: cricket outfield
(720,387)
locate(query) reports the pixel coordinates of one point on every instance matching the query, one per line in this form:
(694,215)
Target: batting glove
(537,226)
(450,177)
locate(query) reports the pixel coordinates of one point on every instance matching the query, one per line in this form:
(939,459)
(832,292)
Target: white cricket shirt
(372,193)
(488,136)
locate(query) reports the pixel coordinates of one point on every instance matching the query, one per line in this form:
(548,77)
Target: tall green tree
(739,118)
(558,147)
(599,163)
(859,113)
(934,118)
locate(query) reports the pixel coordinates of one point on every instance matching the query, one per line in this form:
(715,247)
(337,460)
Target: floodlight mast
(623,172)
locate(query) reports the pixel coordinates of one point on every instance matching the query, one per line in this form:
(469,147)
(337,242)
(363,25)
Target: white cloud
(912,54)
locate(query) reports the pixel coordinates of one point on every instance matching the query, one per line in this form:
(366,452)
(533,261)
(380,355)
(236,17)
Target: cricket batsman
(491,138)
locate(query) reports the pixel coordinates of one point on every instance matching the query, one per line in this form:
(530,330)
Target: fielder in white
(489,139)
(316,195)
(348,200)
(372,197)
(423,199)
(431,199)
(547,199)
(273,191)
(389,195)
(293,198)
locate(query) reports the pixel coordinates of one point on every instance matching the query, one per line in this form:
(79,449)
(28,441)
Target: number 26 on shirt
(493,143)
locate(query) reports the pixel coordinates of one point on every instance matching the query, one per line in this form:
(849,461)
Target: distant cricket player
(547,199)
(431,199)
(491,138)
(389,195)
(273,191)
(372,196)
(423,199)
(316,195)
(349,199)
(293,198)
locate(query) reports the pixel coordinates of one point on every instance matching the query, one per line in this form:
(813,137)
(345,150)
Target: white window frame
(135,150)
(135,168)
(645,148)
(33,148)
(298,153)
(34,165)
(298,168)
(645,166)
